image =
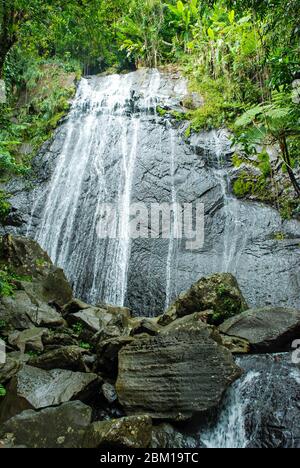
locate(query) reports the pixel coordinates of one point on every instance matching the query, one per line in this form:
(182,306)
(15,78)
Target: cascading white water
(174,231)
(233,221)
(103,143)
(229,432)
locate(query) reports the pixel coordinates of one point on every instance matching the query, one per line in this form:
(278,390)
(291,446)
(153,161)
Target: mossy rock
(219,293)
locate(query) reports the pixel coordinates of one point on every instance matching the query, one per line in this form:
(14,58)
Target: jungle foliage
(242,56)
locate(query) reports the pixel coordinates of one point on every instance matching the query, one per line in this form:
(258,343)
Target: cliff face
(115,147)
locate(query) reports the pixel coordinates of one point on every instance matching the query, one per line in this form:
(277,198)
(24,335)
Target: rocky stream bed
(91,376)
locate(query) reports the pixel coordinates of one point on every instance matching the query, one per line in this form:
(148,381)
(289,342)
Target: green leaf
(231,16)
(180,7)
(211,34)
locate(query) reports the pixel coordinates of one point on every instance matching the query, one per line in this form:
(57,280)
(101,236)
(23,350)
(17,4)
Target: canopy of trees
(250,47)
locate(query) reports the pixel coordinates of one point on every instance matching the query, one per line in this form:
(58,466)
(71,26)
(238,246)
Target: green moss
(6,284)
(2,391)
(84,345)
(219,106)
(289,208)
(179,116)
(279,236)
(188,132)
(161,112)
(228,306)
(237,160)
(4,206)
(77,328)
(248,184)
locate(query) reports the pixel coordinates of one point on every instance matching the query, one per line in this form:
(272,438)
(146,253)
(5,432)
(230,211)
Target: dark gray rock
(132,432)
(268,329)
(34,388)
(46,283)
(60,427)
(175,374)
(67,357)
(14,362)
(165,436)
(107,354)
(20,312)
(261,410)
(109,392)
(28,340)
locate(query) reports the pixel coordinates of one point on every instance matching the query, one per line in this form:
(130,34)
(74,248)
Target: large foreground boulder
(132,432)
(270,329)
(39,278)
(175,374)
(219,293)
(62,426)
(34,388)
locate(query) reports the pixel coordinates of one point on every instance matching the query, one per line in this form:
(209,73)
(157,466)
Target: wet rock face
(240,237)
(272,415)
(63,426)
(261,410)
(269,329)
(175,374)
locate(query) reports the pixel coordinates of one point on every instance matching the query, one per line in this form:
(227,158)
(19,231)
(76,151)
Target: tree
(276,122)
(10,18)
(141,32)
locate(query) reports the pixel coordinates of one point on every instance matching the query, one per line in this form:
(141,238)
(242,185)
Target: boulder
(67,357)
(107,354)
(75,305)
(29,261)
(165,436)
(235,345)
(14,362)
(109,392)
(25,257)
(34,388)
(198,318)
(28,340)
(219,293)
(176,374)
(144,325)
(20,312)
(60,338)
(97,320)
(270,329)
(60,427)
(131,432)
(193,101)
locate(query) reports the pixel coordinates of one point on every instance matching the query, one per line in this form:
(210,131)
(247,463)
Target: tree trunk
(7,35)
(287,160)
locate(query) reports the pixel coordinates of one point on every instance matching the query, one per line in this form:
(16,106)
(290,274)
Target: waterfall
(115,148)
(234,235)
(102,147)
(230,431)
(171,289)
